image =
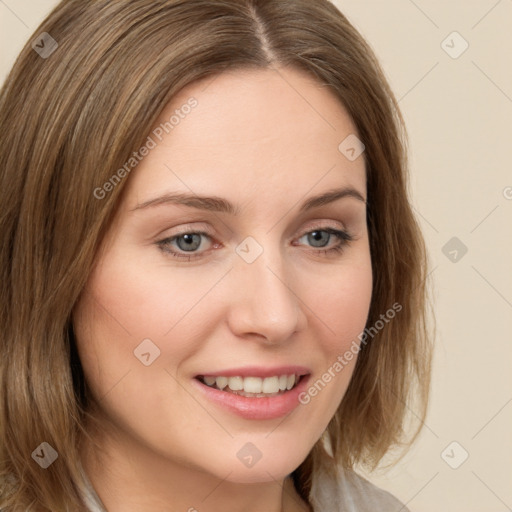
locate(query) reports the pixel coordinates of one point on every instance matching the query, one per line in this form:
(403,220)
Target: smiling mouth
(253,387)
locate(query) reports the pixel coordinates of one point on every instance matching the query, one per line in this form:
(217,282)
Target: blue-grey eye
(319,238)
(191,241)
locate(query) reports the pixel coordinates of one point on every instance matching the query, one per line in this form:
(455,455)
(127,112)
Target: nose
(265,300)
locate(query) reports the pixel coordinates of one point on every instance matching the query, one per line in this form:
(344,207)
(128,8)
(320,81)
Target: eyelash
(344,240)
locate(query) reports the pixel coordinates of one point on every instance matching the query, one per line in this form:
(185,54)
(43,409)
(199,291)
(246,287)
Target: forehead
(252,132)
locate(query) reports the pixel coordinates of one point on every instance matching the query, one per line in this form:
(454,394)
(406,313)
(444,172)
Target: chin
(276,466)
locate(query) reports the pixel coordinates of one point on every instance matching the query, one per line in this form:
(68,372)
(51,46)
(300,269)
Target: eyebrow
(218,204)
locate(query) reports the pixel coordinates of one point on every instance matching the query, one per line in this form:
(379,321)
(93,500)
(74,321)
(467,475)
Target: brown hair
(70,119)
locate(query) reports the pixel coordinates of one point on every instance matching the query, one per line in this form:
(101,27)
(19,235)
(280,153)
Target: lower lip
(254,408)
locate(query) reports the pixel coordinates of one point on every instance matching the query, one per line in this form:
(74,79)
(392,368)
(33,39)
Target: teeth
(270,385)
(236,383)
(210,380)
(254,385)
(221,382)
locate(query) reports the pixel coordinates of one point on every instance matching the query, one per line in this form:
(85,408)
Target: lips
(254,406)
(255,392)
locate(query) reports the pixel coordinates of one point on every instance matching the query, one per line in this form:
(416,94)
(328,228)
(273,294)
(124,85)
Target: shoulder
(350,492)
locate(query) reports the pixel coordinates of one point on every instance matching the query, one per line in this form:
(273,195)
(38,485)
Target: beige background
(459,116)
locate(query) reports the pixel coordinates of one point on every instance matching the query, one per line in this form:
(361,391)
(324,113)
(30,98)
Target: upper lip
(258,371)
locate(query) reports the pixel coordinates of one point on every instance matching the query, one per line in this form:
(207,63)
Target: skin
(265,140)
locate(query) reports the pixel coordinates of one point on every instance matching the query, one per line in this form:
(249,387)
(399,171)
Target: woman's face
(253,283)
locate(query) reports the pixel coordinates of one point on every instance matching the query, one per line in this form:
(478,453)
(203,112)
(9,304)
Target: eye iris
(192,242)
(319,236)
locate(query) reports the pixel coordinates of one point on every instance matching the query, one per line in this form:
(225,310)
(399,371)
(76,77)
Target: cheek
(340,306)
(338,310)
(123,307)
(149,300)
(127,301)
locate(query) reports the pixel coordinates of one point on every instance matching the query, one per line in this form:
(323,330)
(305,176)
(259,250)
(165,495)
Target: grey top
(349,493)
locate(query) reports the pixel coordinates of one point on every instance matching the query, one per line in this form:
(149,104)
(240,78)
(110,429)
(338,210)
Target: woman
(213,283)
